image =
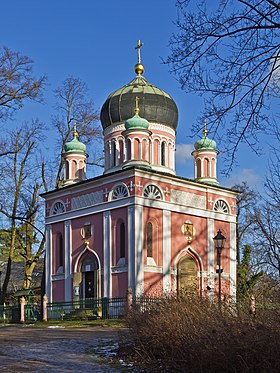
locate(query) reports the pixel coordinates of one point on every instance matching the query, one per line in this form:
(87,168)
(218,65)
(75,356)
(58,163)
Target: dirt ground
(27,349)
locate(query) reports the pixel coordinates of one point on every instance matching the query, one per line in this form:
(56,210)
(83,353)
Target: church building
(139,225)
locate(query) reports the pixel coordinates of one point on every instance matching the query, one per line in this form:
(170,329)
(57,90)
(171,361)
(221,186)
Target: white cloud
(183,153)
(245,174)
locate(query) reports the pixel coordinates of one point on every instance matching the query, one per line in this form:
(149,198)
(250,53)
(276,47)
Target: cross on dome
(139,68)
(205,130)
(75,133)
(136,110)
(138,47)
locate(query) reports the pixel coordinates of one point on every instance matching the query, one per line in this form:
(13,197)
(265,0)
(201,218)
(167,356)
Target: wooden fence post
(22,305)
(45,311)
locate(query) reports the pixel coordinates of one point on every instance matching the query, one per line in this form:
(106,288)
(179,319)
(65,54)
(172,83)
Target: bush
(194,335)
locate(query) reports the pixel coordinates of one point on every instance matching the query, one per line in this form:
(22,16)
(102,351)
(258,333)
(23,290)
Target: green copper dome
(136,122)
(74,146)
(205,143)
(156,105)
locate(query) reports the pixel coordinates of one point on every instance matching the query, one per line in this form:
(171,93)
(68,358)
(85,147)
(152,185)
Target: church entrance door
(187,276)
(90,271)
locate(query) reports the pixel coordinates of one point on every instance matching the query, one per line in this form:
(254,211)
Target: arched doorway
(187,275)
(90,276)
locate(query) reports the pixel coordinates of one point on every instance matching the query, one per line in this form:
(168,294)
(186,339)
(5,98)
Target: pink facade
(139,226)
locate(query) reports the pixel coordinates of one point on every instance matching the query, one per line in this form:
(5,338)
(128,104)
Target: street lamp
(219,240)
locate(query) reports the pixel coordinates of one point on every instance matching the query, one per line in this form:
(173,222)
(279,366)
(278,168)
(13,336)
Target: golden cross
(139,45)
(137,105)
(75,133)
(205,130)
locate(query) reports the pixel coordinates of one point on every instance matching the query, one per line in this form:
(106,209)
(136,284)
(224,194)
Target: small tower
(74,158)
(136,137)
(205,159)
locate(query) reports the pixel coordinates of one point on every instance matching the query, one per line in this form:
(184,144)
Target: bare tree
(245,204)
(267,222)
(73,106)
(229,51)
(19,198)
(17,83)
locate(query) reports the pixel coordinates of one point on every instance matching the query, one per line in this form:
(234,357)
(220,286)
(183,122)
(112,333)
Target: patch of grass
(112,323)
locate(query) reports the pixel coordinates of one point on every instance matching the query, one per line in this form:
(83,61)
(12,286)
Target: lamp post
(219,240)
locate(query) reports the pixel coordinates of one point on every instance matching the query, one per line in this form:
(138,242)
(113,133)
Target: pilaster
(48,269)
(232,258)
(210,257)
(107,242)
(166,248)
(67,261)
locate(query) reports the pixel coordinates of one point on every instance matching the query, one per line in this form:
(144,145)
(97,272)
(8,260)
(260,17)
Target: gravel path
(27,349)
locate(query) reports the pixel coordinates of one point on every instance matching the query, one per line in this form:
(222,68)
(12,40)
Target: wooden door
(187,275)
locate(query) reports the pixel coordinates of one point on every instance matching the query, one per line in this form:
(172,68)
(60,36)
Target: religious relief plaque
(188,231)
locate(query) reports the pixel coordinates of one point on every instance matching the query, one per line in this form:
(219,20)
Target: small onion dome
(157,106)
(205,143)
(136,122)
(75,146)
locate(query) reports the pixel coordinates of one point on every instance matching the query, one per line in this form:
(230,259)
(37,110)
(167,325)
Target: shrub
(194,335)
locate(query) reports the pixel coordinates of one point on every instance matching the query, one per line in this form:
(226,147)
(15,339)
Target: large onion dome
(156,105)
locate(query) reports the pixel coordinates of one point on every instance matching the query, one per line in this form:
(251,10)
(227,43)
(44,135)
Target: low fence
(89,308)
(84,309)
(9,313)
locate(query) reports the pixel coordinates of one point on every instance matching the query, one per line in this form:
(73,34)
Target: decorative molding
(152,126)
(161,127)
(119,270)
(114,128)
(86,200)
(188,199)
(152,269)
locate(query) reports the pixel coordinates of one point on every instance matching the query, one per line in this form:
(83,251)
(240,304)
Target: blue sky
(94,40)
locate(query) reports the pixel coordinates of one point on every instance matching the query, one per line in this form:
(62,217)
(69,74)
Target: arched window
(58,208)
(198,167)
(221,206)
(60,250)
(67,166)
(121,151)
(128,150)
(149,240)
(120,191)
(152,191)
(207,167)
(114,153)
(122,240)
(163,160)
(137,149)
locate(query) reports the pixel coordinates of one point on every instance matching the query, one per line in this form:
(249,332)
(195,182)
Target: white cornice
(141,201)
